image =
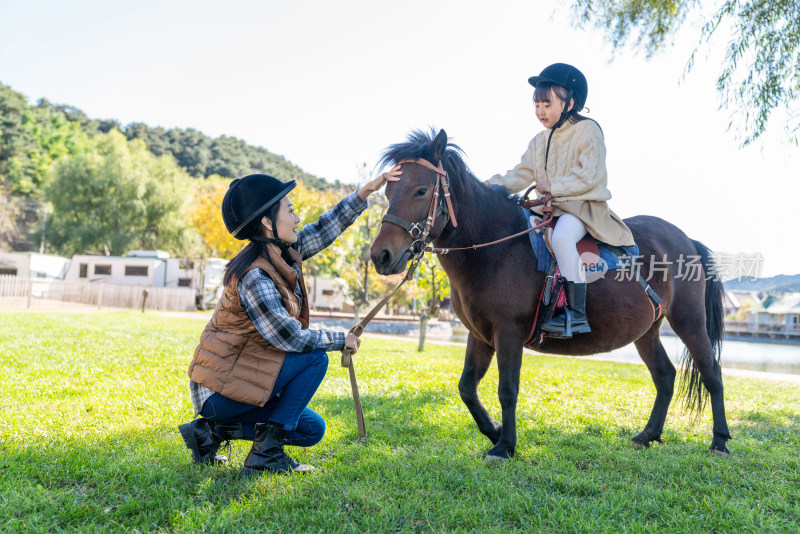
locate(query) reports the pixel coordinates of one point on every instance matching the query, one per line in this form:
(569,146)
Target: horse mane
(464,184)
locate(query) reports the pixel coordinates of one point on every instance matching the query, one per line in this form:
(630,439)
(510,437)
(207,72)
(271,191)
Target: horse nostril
(384,258)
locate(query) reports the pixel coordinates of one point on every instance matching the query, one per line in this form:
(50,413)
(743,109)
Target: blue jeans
(298,380)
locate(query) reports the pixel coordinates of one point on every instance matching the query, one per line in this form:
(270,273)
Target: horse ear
(438,146)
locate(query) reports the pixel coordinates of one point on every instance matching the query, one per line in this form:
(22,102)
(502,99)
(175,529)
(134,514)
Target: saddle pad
(598,258)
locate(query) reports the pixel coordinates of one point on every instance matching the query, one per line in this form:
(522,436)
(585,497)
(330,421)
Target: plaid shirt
(263,304)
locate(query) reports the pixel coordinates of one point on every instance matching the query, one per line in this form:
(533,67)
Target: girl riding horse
(568,160)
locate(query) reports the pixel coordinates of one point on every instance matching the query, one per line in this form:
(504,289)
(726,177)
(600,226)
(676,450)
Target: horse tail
(691,383)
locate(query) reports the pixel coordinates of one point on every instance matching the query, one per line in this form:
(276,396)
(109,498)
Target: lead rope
(347,353)
(357,330)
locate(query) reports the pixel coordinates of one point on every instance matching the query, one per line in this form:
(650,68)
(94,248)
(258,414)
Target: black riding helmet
(570,79)
(248,199)
(567,77)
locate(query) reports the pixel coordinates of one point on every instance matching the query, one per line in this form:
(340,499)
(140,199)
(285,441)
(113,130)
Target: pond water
(764,357)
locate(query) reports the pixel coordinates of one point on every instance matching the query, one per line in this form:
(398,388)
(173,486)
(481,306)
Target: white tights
(568,231)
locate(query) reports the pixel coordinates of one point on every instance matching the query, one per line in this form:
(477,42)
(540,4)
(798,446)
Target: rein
(546,219)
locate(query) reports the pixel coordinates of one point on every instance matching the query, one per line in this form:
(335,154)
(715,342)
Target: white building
(152,268)
(213,270)
(155,268)
(142,268)
(33,265)
(738,303)
(327,293)
(781,312)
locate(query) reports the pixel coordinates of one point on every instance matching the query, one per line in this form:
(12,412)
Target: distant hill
(782,283)
(199,154)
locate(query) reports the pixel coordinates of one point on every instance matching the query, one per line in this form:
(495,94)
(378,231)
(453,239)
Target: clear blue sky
(329,85)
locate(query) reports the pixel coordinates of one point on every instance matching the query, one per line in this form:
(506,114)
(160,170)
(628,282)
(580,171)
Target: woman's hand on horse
(543,186)
(352,341)
(370,187)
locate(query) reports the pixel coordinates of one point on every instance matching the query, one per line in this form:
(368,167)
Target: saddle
(598,259)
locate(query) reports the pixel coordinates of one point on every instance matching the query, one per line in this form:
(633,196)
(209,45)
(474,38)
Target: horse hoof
(491,458)
(639,446)
(721,454)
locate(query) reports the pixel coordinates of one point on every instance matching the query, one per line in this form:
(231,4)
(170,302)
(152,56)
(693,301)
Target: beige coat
(233,359)
(576,170)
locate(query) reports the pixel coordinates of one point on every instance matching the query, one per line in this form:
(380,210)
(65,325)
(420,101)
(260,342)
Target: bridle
(420,231)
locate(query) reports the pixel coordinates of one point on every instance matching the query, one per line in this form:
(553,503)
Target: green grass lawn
(90,404)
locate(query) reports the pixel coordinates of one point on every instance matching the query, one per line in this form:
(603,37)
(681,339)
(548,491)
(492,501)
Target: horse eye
(421,192)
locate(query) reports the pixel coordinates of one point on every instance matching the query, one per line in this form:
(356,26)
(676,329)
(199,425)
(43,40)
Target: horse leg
(699,346)
(663,373)
(476,363)
(509,361)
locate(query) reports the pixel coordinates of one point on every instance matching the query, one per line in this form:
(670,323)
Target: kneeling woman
(258,364)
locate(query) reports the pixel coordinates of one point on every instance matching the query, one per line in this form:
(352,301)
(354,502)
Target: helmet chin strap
(561,121)
(284,246)
(275,241)
(566,112)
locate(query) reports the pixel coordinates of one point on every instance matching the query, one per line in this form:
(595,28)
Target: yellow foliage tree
(206,218)
(310,204)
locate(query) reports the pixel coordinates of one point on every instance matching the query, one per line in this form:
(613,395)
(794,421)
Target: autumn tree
(761,70)
(354,265)
(205,217)
(118,197)
(351,253)
(8,213)
(431,287)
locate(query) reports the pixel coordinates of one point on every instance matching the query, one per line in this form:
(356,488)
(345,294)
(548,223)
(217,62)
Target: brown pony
(495,290)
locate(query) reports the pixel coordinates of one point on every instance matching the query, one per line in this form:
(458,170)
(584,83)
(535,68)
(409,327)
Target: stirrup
(566,333)
(569,330)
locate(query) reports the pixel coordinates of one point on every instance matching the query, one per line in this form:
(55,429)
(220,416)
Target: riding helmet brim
(260,211)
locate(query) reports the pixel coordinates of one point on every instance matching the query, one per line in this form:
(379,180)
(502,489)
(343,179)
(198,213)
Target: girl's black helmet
(248,199)
(566,76)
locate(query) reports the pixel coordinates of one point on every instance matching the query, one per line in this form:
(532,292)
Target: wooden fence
(40,293)
(762,330)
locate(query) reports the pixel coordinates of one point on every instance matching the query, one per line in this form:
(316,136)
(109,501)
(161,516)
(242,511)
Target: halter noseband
(419,230)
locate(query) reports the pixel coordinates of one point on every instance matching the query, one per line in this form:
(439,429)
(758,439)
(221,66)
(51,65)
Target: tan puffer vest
(232,358)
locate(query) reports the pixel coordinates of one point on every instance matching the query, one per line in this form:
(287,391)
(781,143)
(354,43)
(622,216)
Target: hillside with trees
(43,145)
(782,283)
